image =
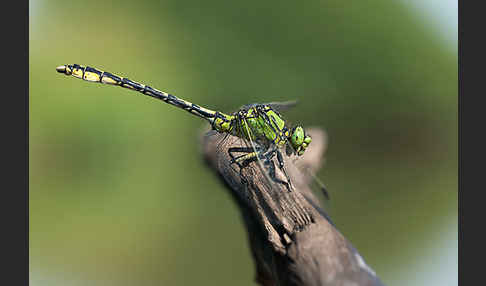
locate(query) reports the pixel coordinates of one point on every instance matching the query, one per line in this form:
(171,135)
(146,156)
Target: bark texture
(292,239)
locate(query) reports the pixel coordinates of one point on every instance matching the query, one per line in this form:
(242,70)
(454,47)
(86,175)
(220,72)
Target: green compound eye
(307,139)
(297,137)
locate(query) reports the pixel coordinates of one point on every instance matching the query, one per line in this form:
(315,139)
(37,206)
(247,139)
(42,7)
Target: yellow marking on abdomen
(78,73)
(108,80)
(91,76)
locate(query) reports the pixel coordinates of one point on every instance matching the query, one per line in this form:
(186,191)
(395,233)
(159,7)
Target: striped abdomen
(220,121)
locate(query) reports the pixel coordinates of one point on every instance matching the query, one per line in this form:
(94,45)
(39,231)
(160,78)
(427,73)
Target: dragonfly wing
(251,151)
(250,143)
(266,165)
(282,106)
(276,105)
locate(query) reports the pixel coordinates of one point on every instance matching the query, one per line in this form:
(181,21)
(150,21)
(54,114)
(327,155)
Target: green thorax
(260,123)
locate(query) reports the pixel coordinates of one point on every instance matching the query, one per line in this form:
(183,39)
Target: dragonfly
(260,124)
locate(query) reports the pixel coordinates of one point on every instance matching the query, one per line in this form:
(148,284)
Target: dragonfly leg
(273,176)
(282,167)
(268,161)
(248,157)
(245,159)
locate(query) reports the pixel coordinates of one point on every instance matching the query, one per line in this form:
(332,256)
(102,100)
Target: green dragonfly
(260,124)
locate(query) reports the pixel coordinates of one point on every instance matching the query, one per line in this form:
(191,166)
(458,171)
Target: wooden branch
(292,240)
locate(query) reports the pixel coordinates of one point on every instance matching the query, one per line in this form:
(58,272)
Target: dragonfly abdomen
(218,120)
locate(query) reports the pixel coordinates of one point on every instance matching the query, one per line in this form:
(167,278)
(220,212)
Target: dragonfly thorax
(264,125)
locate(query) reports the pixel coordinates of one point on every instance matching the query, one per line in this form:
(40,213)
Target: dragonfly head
(299,140)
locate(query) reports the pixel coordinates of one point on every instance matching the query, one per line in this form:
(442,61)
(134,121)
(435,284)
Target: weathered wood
(292,240)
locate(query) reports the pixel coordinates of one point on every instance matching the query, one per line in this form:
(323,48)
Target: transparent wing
(283,105)
(278,106)
(266,165)
(249,143)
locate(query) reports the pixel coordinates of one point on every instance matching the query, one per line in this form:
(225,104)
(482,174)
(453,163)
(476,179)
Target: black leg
(271,171)
(282,167)
(235,160)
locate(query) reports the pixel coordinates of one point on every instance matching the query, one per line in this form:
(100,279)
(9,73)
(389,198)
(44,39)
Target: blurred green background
(119,194)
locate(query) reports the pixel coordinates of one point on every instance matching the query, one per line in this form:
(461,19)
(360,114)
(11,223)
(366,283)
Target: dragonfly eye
(297,137)
(307,139)
(299,140)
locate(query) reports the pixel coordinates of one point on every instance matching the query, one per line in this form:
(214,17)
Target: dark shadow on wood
(292,240)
